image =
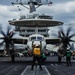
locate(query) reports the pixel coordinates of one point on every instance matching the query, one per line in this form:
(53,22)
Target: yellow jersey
(36,51)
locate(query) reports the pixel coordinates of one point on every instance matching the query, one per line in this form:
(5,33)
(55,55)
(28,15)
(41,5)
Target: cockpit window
(37,38)
(40,38)
(33,38)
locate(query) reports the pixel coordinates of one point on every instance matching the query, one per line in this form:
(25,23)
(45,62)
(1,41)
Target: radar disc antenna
(32,4)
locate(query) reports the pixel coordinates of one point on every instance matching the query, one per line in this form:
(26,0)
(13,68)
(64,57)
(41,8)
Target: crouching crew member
(36,56)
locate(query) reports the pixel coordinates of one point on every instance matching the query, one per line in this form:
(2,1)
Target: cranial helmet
(68,48)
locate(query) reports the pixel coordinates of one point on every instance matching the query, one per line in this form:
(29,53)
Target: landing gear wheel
(12,56)
(59,59)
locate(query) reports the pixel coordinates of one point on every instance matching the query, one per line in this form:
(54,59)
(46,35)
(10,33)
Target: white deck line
(47,70)
(24,70)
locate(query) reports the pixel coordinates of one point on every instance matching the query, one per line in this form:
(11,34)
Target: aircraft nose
(36,43)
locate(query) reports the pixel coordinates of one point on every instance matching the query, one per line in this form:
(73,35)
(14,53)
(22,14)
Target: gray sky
(62,10)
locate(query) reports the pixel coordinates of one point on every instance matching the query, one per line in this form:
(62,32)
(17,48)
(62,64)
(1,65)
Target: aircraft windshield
(33,38)
(40,38)
(37,38)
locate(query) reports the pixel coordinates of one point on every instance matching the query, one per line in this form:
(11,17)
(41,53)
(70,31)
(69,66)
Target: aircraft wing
(20,40)
(53,48)
(51,40)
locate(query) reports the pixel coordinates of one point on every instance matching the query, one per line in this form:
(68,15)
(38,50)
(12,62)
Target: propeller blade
(72,40)
(68,31)
(1,37)
(71,35)
(69,44)
(62,32)
(59,34)
(2,32)
(8,30)
(2,43)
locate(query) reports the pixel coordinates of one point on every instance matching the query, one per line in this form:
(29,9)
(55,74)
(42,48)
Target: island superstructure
(34,23)
(27,31)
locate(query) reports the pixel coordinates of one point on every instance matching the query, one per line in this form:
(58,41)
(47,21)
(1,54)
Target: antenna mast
(33,4)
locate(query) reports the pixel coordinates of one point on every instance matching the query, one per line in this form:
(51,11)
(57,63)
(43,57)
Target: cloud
(67,7)
(63,11)
(58,10)
(6,14)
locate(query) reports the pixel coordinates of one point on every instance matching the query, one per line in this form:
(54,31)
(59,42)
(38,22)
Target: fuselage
(36,39)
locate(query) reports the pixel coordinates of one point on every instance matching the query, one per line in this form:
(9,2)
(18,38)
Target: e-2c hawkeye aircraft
(33,20)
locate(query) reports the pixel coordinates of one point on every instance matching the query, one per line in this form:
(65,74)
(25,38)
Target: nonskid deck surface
(28,71)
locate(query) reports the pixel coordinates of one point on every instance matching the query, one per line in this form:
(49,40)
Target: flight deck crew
(36,56)
(68,57)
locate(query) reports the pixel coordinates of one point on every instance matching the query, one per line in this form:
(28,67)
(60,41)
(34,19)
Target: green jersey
(68,54)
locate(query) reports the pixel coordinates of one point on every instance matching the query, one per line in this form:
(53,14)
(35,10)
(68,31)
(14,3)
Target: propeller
(7,37)
(66,37)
